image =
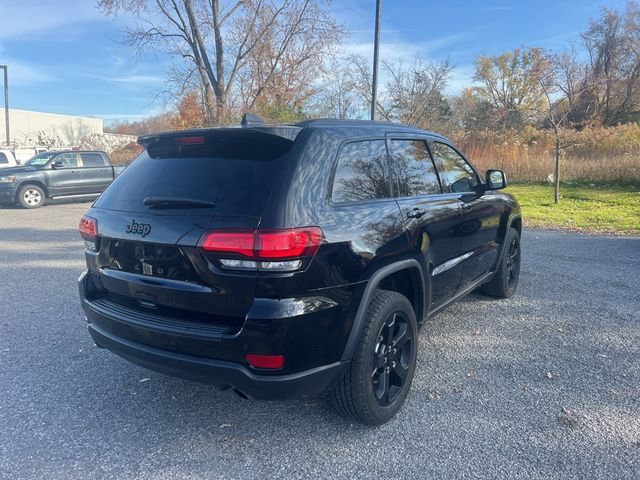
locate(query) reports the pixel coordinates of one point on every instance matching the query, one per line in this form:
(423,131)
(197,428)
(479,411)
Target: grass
(582,207)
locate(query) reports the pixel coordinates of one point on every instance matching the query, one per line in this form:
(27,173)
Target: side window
(414,168)
(3,159)
(456,174)
(69,160)
(361,173)
(92,160)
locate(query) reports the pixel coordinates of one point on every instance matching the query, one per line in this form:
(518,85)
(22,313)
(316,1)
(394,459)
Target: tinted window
(68,160)
(361,173)
(234,171)
(414,168)
(454,170)
(3,158)
(92,160)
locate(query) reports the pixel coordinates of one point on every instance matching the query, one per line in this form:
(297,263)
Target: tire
(504,282)
(31,196)
(376,383)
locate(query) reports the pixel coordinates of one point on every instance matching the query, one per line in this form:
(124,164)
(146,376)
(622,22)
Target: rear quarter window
(92,160)
(361,172)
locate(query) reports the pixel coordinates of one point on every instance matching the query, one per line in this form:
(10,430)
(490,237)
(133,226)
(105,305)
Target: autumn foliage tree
(190,113)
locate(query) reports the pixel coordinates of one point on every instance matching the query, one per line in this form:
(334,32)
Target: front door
(66,177)
(480,213)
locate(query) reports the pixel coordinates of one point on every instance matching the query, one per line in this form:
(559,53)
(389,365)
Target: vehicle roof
(290,131)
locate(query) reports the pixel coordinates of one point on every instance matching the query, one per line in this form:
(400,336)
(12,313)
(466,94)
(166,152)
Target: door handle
(466,206)
(74,171)
(415,213)
(103,169)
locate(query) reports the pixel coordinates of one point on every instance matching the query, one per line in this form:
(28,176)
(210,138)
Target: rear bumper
(218,358)
(220,373)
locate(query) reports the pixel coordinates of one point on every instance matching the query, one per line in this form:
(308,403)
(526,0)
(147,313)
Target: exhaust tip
(240,394)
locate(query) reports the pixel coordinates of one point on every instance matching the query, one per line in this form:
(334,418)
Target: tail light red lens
(266,361)
(239,242)
(284,244)
(89,232)
(88,228)
(291,243)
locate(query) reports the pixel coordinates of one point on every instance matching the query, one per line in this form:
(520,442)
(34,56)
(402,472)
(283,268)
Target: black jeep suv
(287,260)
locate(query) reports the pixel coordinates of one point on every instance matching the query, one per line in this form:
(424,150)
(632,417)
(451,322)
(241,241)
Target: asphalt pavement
(545,385)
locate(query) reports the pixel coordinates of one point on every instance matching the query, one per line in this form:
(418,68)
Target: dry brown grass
(604,155)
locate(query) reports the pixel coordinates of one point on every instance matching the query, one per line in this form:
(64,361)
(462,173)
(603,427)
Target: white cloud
(33,18)
(21,73)
(391,51)
(461,78)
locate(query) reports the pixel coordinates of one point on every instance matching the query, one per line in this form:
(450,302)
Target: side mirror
(496,180)
(57,164)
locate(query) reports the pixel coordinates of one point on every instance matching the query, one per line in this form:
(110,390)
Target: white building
(27,127)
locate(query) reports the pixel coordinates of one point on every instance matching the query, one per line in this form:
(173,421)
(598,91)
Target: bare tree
(339,97)
(415,93)
(271,43)
(555,80)
(612,43)
(412,94)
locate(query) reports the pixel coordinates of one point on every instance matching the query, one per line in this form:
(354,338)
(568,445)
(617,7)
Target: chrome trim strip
(77,195)
(443,267)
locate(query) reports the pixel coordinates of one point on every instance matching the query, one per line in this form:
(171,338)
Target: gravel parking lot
(546,385)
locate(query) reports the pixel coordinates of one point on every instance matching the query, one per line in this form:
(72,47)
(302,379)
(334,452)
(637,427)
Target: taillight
(271,250)
(238,242)
(89,232)
(291,243)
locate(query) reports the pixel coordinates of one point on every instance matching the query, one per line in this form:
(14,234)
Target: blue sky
(64,56)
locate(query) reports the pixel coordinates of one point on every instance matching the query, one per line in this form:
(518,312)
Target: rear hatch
(153,216)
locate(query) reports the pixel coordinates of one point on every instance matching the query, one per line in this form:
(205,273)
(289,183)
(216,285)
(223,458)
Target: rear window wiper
(176,202)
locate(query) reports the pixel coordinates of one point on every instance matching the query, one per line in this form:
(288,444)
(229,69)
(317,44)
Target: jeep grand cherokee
(286,260)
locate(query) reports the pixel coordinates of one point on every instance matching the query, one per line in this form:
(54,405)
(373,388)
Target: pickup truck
(57,175)
(7,159)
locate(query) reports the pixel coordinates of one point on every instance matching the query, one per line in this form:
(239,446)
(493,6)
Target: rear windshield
(235,171)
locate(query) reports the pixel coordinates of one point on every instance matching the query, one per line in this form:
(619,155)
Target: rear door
(431,216)
(480,215)
(97,173)
(149,254)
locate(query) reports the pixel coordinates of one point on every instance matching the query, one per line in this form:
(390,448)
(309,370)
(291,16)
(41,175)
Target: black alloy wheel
(375,384)
(513,262)
(391,358)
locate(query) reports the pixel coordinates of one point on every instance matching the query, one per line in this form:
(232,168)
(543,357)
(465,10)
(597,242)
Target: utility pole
(6,105)
(376,48)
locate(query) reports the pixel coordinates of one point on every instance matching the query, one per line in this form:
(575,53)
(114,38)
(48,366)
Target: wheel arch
(403,276)
(514,221)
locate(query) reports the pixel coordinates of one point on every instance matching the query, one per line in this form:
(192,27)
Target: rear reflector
(265,361)
(286,244)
